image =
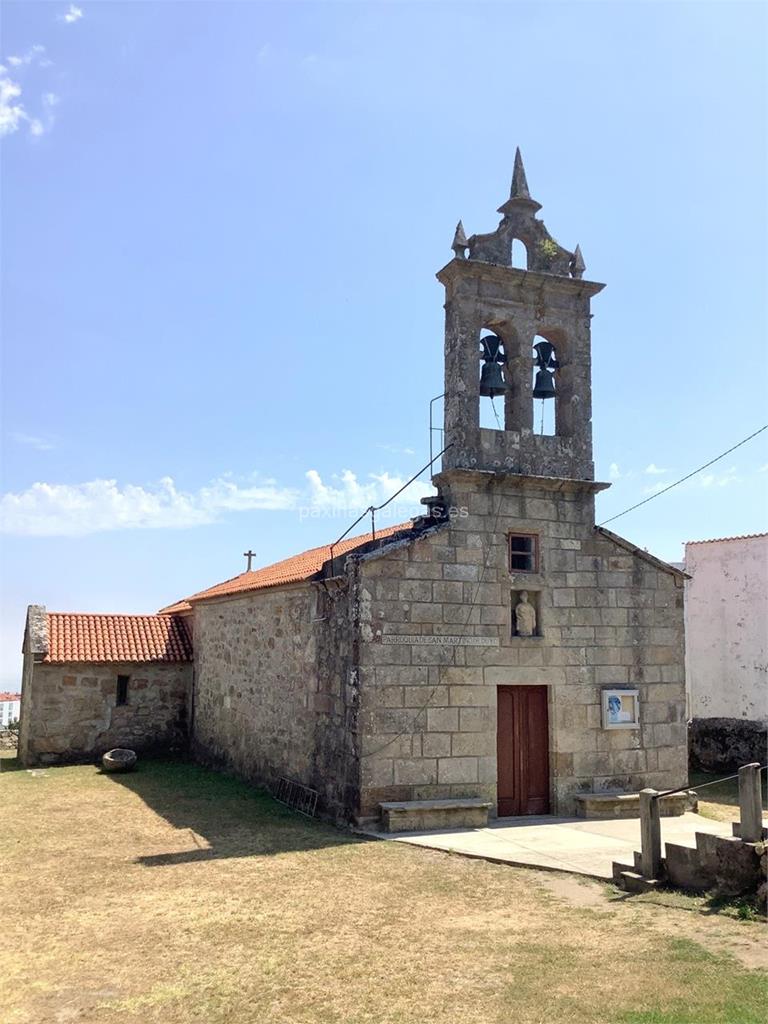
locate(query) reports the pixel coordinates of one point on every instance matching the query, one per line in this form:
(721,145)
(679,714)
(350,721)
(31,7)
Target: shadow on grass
(223,816)
(707,904)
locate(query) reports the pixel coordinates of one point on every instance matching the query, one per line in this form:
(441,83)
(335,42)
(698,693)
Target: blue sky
(221,225)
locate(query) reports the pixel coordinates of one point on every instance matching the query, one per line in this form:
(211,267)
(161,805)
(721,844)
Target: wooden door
(523,751)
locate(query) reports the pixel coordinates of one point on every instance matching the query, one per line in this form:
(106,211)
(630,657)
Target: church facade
(499,649)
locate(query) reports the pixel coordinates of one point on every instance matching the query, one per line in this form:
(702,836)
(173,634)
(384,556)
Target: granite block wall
(274,695)
(608,617)
(70,712)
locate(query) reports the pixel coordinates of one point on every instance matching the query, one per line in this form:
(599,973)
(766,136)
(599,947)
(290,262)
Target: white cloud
(614,473)
(34,55)
(653,470)
(12,113)
(730,476)
(709,480)
(39,127)
(349,494)
(72,15)
(72,510)
(655,488)
(42,444)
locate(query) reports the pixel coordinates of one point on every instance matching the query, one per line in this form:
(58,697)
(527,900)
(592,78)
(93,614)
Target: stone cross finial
(459,243)
(250,555)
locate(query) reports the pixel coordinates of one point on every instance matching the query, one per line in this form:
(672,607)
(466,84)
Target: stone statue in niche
(525,616)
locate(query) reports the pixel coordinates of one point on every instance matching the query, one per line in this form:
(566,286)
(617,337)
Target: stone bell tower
(547,301)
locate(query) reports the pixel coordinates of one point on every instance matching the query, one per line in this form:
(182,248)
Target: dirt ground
(176,895)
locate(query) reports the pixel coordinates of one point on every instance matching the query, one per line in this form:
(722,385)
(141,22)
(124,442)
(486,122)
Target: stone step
(626,805)
(618,870)
(632,881)
(736,829)
(426,815)
(685,869)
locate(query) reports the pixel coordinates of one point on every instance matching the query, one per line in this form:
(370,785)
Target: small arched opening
(519,254)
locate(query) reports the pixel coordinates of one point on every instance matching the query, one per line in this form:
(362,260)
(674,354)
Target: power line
(684,478)
(373,509)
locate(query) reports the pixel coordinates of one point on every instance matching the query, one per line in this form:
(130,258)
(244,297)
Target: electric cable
(683,479)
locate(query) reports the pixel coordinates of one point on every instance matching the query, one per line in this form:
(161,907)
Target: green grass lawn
(177,895)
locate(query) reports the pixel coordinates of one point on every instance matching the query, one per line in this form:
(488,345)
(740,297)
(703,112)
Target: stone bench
(627,805)
(425,815)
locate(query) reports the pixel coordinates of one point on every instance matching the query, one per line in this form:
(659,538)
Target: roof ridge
(635,549)
(114,615)
(717,540)
(296,568)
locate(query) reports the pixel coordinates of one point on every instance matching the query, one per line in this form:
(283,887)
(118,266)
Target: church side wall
(70,712)
(271,690)
(607,618)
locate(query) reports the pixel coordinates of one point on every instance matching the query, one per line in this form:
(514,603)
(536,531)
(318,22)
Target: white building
(10,708)
(726,648)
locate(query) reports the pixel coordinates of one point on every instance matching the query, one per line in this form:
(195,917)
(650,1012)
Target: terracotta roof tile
(292,570)
(176,609)
(10,696)
(102,638)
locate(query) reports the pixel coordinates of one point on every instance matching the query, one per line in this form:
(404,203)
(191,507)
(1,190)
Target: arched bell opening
(494,379)
(545,389)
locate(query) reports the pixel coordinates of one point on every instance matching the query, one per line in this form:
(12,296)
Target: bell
(492,382)
(544,385)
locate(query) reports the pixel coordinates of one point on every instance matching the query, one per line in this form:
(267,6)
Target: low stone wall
(70,712)
(727,867)
(724,744)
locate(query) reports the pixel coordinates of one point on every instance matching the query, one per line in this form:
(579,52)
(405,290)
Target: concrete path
(584,847)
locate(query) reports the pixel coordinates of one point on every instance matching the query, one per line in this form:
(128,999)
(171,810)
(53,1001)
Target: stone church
(498,653)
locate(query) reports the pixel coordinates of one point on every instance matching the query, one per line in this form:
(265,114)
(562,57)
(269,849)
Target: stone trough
(118,760)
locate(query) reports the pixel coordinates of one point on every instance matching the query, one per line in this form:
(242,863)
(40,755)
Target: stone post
(650,833)
(750,803)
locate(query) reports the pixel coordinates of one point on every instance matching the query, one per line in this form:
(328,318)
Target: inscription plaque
(440,641)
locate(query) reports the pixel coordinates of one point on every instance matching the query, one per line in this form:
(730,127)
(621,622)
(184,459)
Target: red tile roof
(717,540)
(10,696)
(103,638)
(176,609)
(292,570)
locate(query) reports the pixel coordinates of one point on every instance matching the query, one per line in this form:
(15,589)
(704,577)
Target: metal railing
(750,814)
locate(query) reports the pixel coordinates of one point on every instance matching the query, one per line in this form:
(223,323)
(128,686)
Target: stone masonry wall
(69,712)
(608,617)
(273,694)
